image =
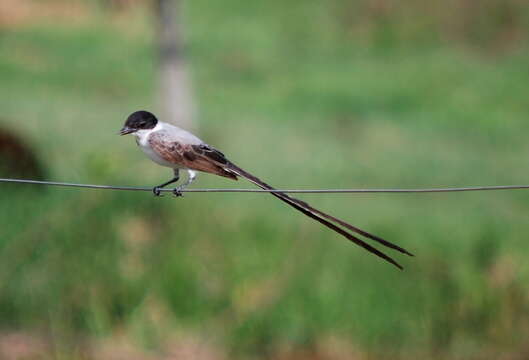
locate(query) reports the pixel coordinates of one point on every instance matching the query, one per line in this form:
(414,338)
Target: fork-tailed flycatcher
(170,146)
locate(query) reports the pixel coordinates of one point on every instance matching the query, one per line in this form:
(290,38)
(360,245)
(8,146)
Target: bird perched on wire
(170,146)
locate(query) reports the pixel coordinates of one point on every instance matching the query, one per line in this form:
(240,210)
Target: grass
(299,107)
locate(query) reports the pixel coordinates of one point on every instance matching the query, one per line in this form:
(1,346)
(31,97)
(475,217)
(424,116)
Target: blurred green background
(366,93)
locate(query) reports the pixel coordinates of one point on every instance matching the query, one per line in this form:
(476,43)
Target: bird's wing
(199,157)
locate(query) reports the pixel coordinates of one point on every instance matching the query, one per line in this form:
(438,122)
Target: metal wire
(308,191)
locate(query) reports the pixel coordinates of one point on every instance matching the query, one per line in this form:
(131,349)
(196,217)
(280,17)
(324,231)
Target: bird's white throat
(142,136)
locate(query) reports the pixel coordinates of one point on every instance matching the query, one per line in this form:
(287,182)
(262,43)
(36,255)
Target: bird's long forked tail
(321,217)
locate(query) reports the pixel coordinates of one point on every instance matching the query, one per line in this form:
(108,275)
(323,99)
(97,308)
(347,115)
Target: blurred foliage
(344,94)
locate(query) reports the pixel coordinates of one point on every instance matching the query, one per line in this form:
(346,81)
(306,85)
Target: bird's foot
(177,191)
(157,191)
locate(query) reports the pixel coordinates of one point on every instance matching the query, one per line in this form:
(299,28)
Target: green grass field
(301,106)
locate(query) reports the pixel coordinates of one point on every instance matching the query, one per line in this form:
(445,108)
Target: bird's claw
(157,192)
(177,191)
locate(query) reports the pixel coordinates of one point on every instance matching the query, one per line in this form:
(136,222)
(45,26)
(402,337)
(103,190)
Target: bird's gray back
(173,133)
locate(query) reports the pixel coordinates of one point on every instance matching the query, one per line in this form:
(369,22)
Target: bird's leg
(192,175)
(156,189)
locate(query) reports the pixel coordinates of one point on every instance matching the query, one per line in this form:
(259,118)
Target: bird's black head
(139,120)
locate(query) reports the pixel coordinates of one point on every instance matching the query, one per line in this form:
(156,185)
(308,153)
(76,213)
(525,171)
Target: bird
(175,148)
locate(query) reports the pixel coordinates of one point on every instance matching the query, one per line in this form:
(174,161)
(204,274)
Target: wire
(309,191)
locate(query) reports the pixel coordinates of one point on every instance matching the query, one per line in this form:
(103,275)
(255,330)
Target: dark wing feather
(210,153)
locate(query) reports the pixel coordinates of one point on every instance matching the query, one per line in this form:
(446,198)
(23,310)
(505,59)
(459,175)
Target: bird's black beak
(126,130)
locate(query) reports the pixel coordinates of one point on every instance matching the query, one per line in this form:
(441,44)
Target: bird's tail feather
(321,217)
